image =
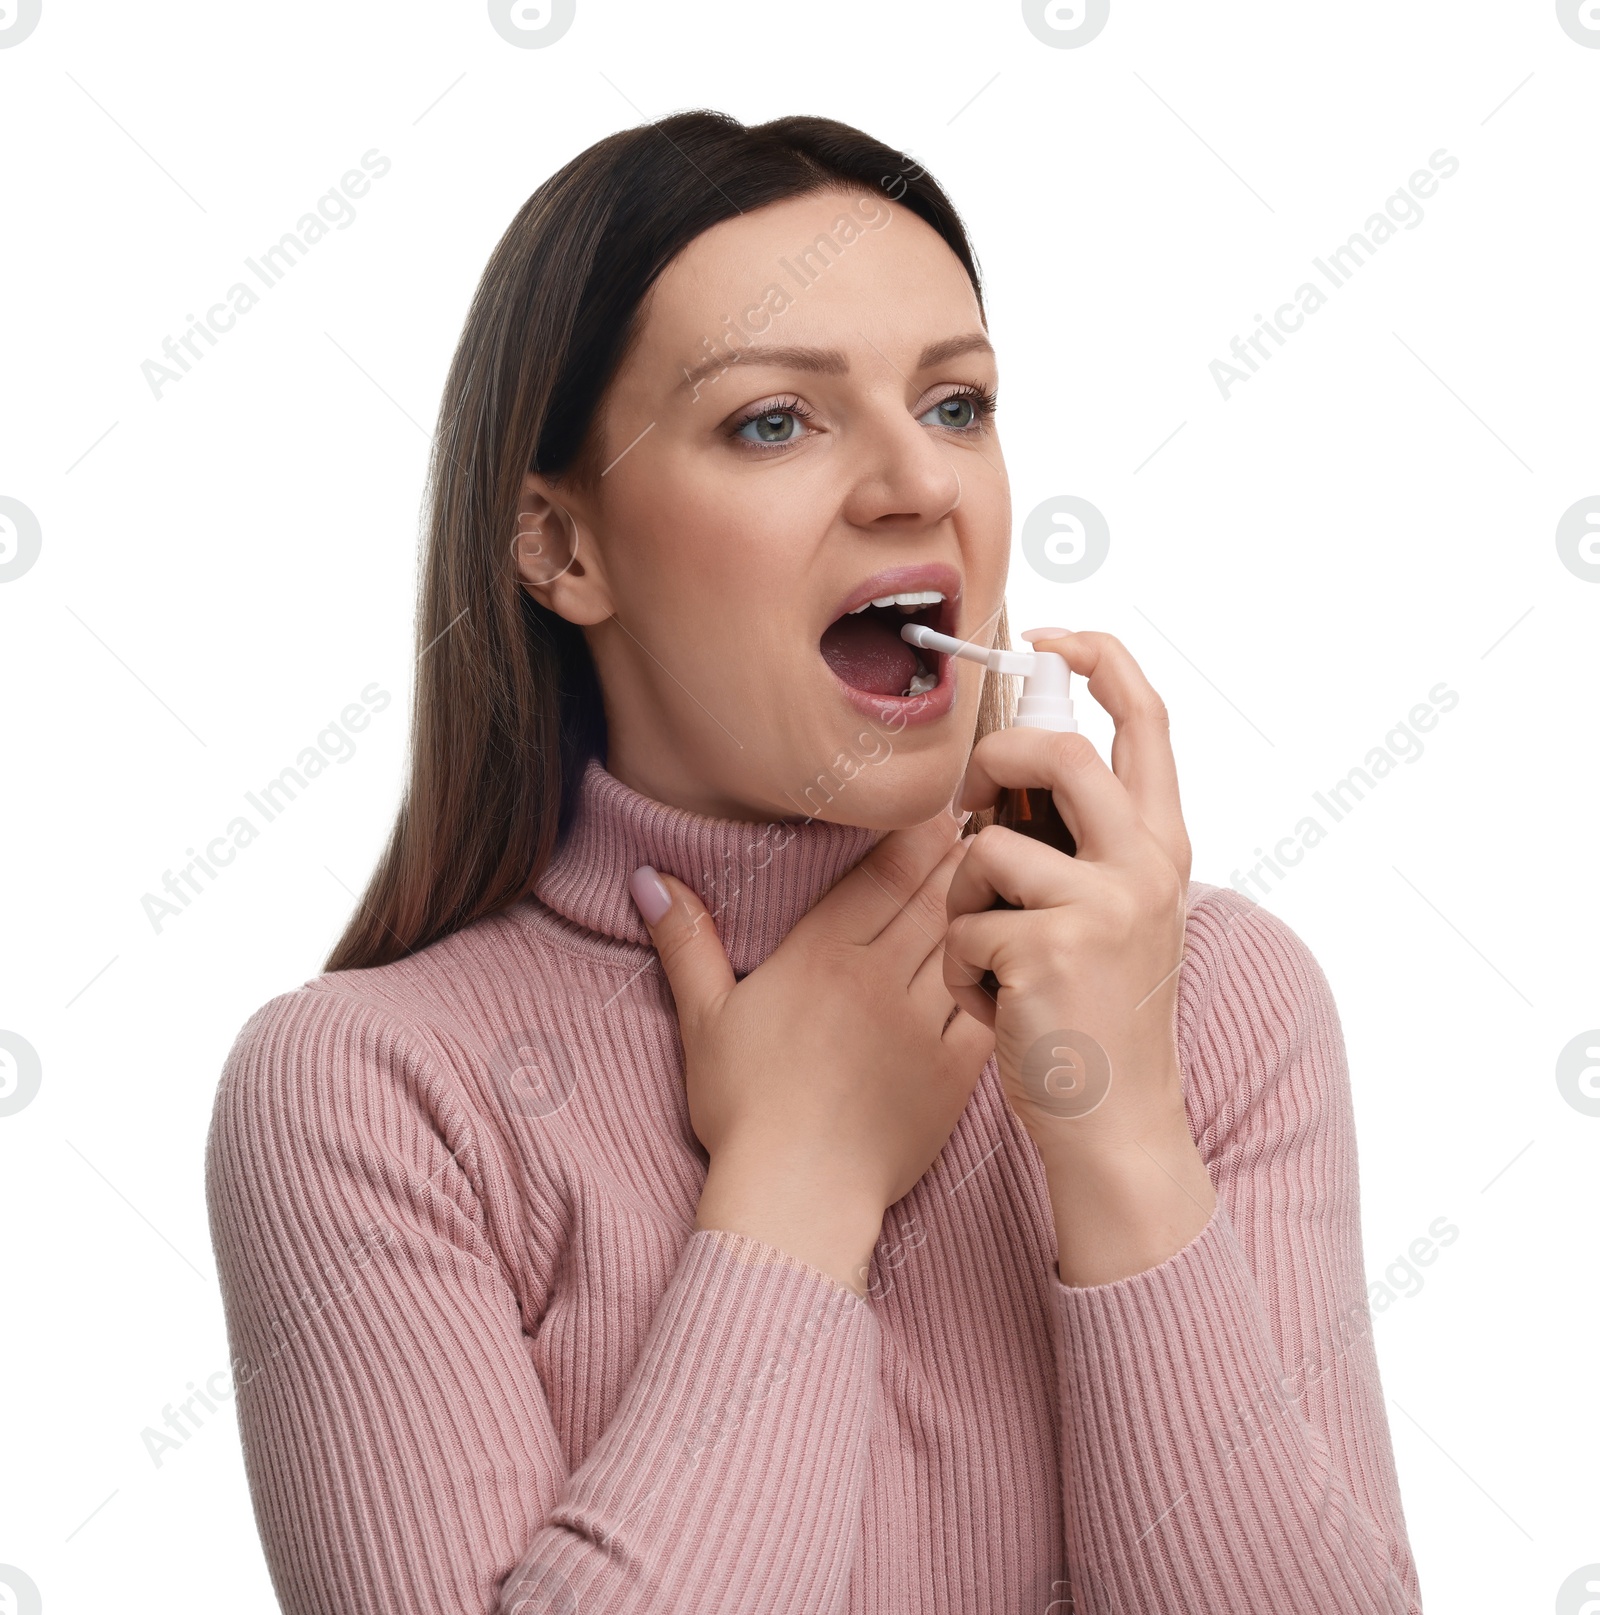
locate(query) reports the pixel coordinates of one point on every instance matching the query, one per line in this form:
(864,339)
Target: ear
(555,555)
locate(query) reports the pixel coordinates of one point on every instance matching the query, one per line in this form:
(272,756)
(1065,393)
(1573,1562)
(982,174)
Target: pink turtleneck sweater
(484,1362)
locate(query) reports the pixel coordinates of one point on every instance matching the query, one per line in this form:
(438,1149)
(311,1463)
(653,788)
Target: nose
(902,476)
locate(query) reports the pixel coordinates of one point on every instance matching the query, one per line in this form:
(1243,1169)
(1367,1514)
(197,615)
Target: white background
(225,569)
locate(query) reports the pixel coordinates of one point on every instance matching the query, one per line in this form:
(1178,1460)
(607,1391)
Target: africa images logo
(531,24)
(1066,24)
(18,19)
(19,1593)
(1581,20)
(20,538)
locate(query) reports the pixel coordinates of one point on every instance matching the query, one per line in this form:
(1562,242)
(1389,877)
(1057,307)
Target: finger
(992,941)
(917,931)
(928,991)
(1002,863)
(967,1043)
(965,983)
(686,940)
(927,937)
(1141,751)
(868,898)
(971,997)
(959,985)
(1097,808)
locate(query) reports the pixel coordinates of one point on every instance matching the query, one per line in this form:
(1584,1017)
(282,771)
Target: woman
(649,1208)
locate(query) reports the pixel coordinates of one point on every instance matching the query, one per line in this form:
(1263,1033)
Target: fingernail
(650,895)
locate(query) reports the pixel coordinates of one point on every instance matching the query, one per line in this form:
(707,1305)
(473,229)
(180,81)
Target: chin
(892,793)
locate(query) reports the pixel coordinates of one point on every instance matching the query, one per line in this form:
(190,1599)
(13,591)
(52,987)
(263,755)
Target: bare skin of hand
(826,1082)
(1088,968)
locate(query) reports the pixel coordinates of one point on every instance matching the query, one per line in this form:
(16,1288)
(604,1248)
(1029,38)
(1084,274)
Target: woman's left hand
(1088,960)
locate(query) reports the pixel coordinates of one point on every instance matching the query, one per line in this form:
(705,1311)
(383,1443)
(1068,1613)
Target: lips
(863,648)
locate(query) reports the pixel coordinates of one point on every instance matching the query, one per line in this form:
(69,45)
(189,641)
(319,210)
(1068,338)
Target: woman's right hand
(826,1082)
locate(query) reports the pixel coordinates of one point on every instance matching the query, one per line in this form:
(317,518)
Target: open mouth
(864,649)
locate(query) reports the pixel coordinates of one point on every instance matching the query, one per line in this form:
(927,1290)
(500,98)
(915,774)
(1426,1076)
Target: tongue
(867,652)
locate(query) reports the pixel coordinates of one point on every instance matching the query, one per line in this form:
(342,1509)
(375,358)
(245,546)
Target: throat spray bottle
(1045,703)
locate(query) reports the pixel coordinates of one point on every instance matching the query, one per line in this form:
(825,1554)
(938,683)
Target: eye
(774,422)
(965,410)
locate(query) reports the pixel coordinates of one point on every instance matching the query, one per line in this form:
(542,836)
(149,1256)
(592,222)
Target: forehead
(840,266)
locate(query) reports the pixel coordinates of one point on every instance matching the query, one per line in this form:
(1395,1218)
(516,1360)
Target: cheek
(715,623)
(723,569)
(730,535)
(989,537)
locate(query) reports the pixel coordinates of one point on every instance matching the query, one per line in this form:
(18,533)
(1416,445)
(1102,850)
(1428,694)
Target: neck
(757,879)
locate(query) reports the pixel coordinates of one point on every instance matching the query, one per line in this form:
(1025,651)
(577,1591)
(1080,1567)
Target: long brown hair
(506,705)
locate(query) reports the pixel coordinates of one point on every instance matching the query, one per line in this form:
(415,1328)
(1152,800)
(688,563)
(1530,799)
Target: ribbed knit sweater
(484,1361)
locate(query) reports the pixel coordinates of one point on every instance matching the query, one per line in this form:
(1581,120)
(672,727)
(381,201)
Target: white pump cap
(1046,700)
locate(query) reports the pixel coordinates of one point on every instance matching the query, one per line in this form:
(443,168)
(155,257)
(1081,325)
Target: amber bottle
(1046,703)
(1031,811)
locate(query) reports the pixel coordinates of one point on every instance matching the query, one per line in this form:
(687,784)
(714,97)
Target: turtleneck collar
(757,880)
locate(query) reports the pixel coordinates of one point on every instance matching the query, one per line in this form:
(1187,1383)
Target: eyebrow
(828,361)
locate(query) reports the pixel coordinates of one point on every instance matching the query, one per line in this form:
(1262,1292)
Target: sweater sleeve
(1225,1448)
(398,1441)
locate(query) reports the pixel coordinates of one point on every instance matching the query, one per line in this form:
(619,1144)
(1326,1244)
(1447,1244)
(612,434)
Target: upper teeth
(906,602)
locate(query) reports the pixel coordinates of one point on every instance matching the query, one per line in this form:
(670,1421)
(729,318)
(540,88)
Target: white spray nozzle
(1046,700)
